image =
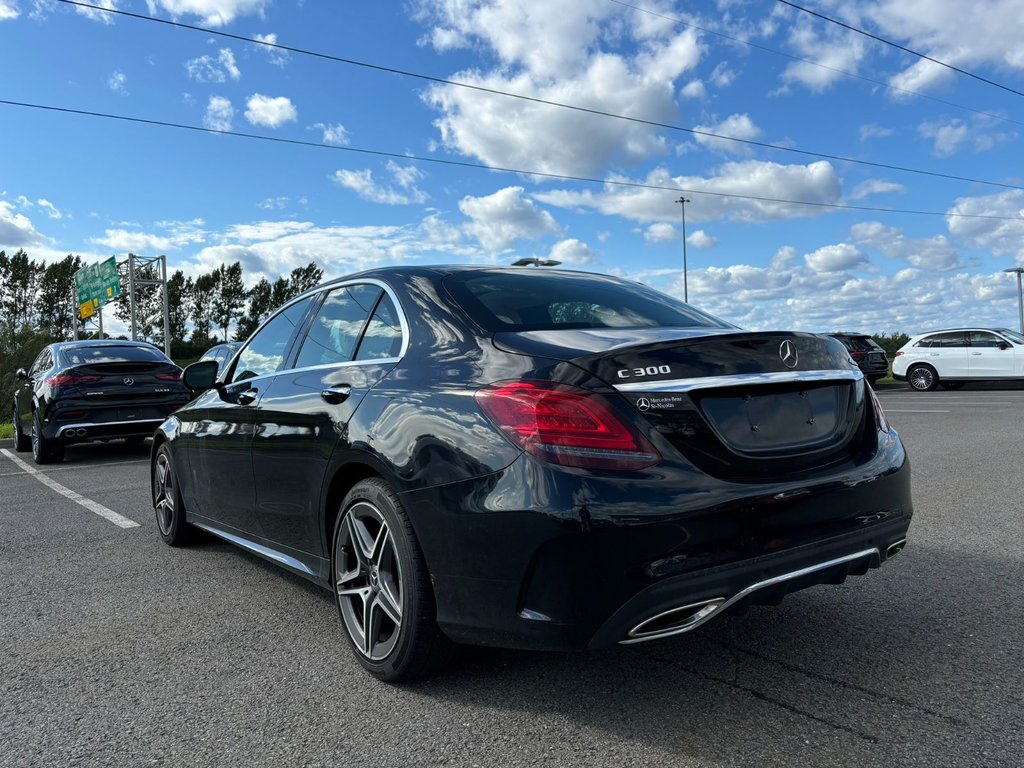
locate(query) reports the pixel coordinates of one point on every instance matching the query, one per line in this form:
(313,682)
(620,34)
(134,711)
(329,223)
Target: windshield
(113,354)
(536,300)
(1013,336)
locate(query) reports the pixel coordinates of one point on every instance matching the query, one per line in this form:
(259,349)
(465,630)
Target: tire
(922,378)
(382,587)
(872,380)
(167,503)
(953,385)
(22,442)
(44,451)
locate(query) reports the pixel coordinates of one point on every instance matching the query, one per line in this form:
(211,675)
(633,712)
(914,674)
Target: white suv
(958,355)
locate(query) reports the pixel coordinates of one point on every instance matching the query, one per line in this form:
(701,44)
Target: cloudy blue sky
(756,70)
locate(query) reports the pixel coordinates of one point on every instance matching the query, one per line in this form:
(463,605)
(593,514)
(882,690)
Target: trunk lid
(739,405)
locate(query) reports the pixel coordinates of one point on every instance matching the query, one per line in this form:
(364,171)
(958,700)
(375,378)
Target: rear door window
(383,337)
(337,326)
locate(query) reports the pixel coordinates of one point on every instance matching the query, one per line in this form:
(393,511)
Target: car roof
(103,343)
(965,328)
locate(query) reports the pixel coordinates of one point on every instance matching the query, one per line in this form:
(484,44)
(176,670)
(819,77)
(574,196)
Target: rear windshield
(859,343)
(541,301)
(113,354)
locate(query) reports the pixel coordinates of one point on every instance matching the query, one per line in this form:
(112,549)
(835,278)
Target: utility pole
(1020,295)
(686,289)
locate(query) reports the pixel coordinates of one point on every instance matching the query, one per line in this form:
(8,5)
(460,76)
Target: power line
(537,100)
(818,64)
(495,169)
(900,47)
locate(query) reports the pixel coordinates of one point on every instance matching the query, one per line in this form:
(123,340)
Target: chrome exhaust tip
(69,433)
(894,549)
(674,621)
(80,433)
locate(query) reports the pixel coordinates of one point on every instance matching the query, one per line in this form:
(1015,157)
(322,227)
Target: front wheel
(170,510)
(922,378)
(44,451)
(22,442)
(383,588)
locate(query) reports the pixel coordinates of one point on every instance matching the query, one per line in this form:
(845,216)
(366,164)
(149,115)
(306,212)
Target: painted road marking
(93,506)
(899,410)
(65,467)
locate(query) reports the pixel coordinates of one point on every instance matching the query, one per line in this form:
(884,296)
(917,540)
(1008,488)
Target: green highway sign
(97,284)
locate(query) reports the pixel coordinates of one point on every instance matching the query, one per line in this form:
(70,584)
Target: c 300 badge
(650,370)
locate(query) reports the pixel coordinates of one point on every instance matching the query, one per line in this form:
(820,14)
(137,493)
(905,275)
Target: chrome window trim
(740,380)
(313,294)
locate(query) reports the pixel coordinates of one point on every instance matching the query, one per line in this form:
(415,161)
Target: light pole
(1020,295)
(682,207)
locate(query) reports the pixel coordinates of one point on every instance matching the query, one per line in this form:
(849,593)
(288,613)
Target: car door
(949,354)
(219,425)
(352,341)
(991,356)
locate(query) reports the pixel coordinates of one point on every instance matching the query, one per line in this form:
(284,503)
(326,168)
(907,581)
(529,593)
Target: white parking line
(92,506)
(65,467)
(901,410)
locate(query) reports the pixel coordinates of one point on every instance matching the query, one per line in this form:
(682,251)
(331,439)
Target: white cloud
(271,112)
(273,203)
(16,229)
(50,208)
(934,253)
(219,114)
(873,131)
(701,240)
(94,13)
(1001,237)
(693,90)
(571,252)
(175,235)
(8,10)
(24,202)
(364,185)
(213,13)
(836,258)
(948,136)
(875,187)
(722,76)
(737,126)
(660,232)
(207,69)
(118,82)
(334,133)
(829,47)
(501,219)
(277,56)
(815,182)
(553,53)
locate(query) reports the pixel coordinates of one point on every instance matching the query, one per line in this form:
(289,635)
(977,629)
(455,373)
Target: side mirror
(200,376)
(1004,345)
(22,374)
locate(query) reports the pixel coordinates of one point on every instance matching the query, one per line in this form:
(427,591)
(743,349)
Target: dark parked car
(221,353)
(531,459)
(78,391)
(867,353)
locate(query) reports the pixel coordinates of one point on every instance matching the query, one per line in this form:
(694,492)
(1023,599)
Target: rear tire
(167,503)
(922,378)
(22,442)
(382,587)
(44,451)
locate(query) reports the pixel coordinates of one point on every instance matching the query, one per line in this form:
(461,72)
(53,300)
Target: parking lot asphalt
(118,650)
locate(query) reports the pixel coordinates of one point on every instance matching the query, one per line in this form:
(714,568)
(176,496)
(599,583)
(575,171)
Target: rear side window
(113,354)
(537,300)
(860,343)
(383,336)
(335,330)
(266,350)
(954,339)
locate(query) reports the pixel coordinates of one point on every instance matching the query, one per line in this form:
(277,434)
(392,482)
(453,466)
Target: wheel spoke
(380,544)
(389,605)
(359,537)
(371,626)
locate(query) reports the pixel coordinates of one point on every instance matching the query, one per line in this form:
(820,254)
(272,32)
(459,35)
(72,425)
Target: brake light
(898,353)
(565,425)
(858,355)
(70,380)
(880,421)
(173,376)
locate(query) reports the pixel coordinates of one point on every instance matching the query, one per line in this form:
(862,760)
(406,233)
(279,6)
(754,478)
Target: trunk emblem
(643,404)
(129,380)
(788,354)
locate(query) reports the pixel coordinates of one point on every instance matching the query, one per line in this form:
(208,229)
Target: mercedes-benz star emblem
(788,353)
(643,404)
(129,380)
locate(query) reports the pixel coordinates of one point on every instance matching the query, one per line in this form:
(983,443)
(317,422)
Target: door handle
(247,397)
(337,394)
(976,353)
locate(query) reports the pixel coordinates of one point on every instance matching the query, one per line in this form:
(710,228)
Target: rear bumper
(83,432)
(530,558)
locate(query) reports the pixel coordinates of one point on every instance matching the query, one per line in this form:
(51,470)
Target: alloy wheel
(37,448)
(368,581)
(922,379)
(164,494)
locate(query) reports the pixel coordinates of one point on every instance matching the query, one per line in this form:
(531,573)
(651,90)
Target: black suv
(866,353)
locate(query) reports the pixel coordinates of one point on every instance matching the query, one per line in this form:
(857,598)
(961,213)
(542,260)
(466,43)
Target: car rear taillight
(898,353)
(70,380)
(858,355)
(172,376)
(565,425)
(880,421)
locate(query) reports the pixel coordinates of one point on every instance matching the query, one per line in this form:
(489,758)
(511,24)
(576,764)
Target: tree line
(38,306)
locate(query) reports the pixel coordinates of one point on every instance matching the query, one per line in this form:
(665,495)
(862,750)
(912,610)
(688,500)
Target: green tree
(260,303)
(203,290)
(280,292)
(20,277)
(58,303)
(179,293)
(229,300)
(304,278)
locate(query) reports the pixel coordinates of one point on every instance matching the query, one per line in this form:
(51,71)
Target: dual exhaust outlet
(676,621)
(80,432)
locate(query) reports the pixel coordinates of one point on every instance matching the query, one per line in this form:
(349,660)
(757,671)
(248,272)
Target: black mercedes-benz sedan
(531,459)
(79,391)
